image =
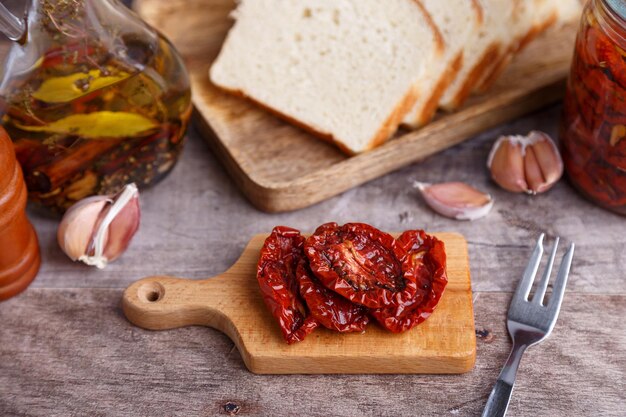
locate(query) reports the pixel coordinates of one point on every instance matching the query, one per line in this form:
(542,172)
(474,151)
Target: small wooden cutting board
(232,303)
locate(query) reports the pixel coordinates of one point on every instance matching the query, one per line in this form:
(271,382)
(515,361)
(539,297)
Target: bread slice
(457,21)
(347,70)
(532,18)
(529,19)
(569,10)
(481,51)
(540,16)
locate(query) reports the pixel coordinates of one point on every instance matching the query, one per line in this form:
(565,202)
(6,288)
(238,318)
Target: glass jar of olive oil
(93,99)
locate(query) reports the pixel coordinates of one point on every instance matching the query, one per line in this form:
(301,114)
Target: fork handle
(500,396)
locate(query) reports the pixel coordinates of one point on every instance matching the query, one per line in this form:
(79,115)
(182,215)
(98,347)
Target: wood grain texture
(71,352)
(196,223)
(232,303)
(280,167)
(66,348)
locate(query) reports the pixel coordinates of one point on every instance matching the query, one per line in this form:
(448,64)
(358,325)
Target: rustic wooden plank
(71,352)
(259,150)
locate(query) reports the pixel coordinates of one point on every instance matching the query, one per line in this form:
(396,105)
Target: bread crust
(430,108)
(502,59)
(447,78)
(490,54)
(439,41)
(406,105)
(516,47)
(388,128)
(470,78)
(478,9)
(325,136)
(536,30)
(494,73)
(394,120)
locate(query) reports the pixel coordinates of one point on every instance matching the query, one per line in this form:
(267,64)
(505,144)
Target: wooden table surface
(66,349)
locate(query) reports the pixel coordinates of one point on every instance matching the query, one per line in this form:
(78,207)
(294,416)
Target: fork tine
(523,288)
(543,284)
(561,281)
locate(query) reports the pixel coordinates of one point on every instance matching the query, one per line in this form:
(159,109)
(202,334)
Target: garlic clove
(548,157)
(530,164)
(98,229)
(456,200)
(122,229)
(532,171)
(506,164)
(77,227)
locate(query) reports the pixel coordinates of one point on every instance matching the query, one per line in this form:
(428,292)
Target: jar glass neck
(102,24)
(13,26)
(62,18)
(611,20)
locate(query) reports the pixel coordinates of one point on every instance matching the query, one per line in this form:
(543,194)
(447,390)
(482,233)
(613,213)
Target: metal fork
(529,322)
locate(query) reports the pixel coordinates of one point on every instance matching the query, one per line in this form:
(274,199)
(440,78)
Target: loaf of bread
(347,70)
(351,71)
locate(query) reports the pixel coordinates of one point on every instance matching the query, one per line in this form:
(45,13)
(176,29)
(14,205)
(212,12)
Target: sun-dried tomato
(330,309)
(360,263)
(427,257)
(276,273)
(332,276)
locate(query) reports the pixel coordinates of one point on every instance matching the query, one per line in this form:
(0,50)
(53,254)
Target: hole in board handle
(151,292)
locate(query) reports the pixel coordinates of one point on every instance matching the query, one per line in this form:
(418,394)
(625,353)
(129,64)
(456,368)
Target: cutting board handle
(163,302)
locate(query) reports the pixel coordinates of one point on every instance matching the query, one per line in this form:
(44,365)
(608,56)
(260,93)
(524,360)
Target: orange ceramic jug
(19,250)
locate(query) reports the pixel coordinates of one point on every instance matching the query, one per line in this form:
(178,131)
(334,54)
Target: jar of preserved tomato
(593,127)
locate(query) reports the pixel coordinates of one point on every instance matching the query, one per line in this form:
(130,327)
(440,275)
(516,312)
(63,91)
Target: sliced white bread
(347,70)
(533,17)
(569,10)
(529,19)
(481,50)
(457,20)
(540,15)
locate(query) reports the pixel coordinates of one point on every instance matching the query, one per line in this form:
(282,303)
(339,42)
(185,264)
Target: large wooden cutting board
(232,303)
(280,167)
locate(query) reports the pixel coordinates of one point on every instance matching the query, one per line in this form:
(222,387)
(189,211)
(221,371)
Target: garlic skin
(98,229)
(456,200)
(530,164)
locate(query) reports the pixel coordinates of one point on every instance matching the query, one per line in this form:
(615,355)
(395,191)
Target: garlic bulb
(530,164)
(98,229)
(456,200)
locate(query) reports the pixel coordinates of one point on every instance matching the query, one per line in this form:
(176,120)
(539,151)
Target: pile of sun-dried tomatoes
(341,276)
